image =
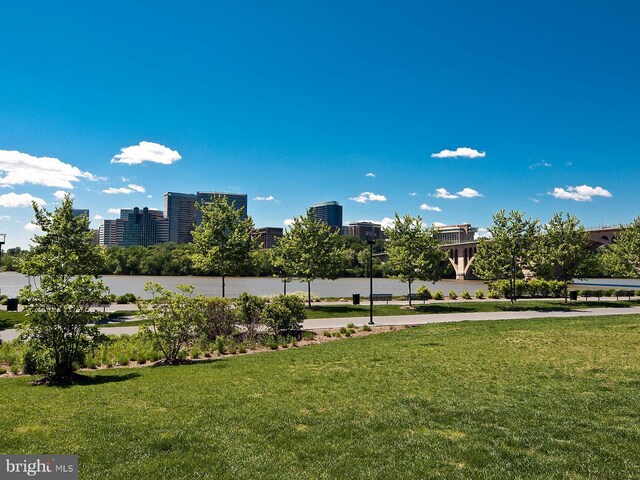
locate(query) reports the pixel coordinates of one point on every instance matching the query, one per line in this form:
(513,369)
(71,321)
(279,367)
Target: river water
(12,282)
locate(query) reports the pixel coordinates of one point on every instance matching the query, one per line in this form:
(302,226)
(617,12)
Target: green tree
(285,314)
(308,251)
(414,251)
(622,257)
(223,242)
(509,250)
(561,247)
(58,325)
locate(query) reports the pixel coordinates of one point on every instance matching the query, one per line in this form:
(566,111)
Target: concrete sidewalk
(320,323)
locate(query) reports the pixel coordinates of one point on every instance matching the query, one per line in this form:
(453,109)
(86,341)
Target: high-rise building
(456,233)
(111,232)
(237,200)
(329,213)
(179,209)
(269,236)
(141,227)
(365,230)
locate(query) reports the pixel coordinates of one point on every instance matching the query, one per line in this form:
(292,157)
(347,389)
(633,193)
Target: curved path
(320,323)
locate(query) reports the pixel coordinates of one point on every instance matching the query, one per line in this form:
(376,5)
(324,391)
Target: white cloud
(534,200)
(22,200)
(412,194)
(125,179)
(443,193)
(541,163)
(582,193)
(429,208)
(569,164)
(370,174)
(114,210)
(146,152)
(149,196)
(5,217)
(459,152)
(438,224)
(469,193)
(21,168)
(483,232)
(98,217)
(264,199)
(114,190)
(136,188)
(288,222)
(386,222)
(365,197)
(60,194)
(31,227)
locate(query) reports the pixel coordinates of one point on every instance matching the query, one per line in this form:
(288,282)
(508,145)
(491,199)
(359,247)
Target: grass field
(509,399)
(461,306)
(10,319)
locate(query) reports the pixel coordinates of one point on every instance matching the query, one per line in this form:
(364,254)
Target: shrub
(453,295)
(366,328)
(479,294)
(351,325)
(336,334)
(122,360)
(233,348)
(610,292)
(347,333)
(466,295)
(273,345)
(308,335)
(195,352)
(219,318)
(304,296)
(176,319)
(424,292)
(285,314)
(30,362)
(493,295)
(326,333)
(122,299)
(438,295)
(3,371)
(220,345)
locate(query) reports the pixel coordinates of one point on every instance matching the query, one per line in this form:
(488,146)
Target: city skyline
(437,110)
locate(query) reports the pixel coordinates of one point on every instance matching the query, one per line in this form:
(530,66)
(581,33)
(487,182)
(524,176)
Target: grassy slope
(10,319)
(536,399)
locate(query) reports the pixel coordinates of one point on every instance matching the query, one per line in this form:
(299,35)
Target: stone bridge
(462,255)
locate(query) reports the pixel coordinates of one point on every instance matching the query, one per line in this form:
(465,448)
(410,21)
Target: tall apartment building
(135,227)
(180,210)
(329,213)
(269,236)
(456,233)
(365,230)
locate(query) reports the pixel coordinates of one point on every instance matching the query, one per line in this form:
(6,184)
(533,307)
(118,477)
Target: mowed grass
(549,398)
(11,319)
(462,306)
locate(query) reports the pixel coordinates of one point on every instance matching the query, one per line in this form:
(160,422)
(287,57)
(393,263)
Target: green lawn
(10,319)
(551,398)
(461,306)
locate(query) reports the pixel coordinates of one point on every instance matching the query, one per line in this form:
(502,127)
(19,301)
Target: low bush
(438,295)
(326,333)
(479,294)
(285,314)
(366,328)
(466,295)
(424,292)
(220,345)
(351,325)
(308,335)
(453,295)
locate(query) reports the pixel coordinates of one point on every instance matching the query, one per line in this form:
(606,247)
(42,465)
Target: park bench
(417,296)
(381,297)
(102,305)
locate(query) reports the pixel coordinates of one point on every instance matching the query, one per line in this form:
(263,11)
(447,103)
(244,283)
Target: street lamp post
(370,241)
(3,237)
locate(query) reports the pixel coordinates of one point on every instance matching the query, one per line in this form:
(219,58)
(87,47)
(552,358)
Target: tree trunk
(222,286)
(309,291)
(285,286)
(565,292)
(409,292)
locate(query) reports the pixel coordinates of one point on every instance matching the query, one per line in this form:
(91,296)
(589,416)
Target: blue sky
(296,102)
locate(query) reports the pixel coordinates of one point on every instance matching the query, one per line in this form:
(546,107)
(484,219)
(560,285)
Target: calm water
(12,282)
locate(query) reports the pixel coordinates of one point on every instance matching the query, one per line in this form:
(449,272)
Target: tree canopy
(414,251)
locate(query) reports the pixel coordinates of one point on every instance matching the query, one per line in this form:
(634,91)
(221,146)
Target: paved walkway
(320,323)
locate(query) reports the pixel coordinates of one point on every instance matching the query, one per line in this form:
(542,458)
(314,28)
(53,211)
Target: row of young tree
(557,250)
